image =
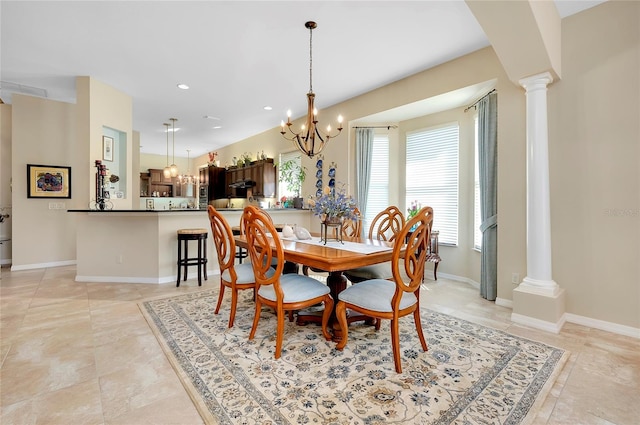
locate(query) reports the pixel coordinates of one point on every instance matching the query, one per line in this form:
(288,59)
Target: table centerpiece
(333,207)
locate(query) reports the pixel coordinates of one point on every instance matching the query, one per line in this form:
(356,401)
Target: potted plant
(293,175)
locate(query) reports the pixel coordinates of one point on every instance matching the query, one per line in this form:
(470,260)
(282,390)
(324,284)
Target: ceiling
(236,56)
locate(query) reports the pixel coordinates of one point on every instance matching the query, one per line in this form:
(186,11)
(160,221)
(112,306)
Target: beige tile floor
(81,353)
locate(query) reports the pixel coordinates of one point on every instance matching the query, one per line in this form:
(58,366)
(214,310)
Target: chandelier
(310,140)
(188,178)
(173,167)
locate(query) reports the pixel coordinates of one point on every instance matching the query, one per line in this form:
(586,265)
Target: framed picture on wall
(107,148)
(48,181)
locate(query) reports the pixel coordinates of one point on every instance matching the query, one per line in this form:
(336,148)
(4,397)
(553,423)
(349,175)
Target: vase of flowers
(333,205)
(413,210)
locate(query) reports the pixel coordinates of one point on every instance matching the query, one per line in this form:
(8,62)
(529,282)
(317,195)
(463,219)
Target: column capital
(537,81)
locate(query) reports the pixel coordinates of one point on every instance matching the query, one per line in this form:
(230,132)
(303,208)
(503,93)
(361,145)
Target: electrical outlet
(52,205)
(515,278)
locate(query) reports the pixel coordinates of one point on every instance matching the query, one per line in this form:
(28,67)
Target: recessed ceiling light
(209,117)
(217,127)
(183,86)
(169,130)
(267,108)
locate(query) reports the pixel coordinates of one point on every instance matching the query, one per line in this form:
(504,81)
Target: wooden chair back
(223,240)
(352,227)
(261,233)
(417,233)
(386,225)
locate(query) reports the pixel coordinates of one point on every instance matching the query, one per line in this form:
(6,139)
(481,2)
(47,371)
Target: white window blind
(432,176)
(477,218)
(284,157)
(378,195)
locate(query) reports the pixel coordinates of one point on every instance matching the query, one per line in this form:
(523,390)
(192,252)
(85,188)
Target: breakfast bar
(140,246)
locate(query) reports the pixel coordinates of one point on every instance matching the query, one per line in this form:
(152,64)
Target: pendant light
(174,167)
(166,172)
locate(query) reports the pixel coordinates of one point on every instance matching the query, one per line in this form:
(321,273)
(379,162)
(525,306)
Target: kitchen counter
(140,246)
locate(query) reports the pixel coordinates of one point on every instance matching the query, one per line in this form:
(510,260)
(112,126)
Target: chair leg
(186,255)
(328,308)
(378,323)
(204,253)
(179,261)
(435,270)
(220,297)
(234,303)
(279,333)
(395,343)
(416,319)
(341,315)
(199,262)
(256,319)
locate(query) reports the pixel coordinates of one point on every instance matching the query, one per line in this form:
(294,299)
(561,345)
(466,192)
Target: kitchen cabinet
(261,173)
(157,177)
(159,183)
(264,174)
(216,178)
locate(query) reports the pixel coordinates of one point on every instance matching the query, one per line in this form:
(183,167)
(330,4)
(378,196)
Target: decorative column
(538,300)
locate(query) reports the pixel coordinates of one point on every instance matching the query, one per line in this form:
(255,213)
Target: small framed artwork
(150,204)
(107,148)
(48,181)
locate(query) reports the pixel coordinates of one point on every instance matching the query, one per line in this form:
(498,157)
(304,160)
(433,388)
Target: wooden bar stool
(184,236)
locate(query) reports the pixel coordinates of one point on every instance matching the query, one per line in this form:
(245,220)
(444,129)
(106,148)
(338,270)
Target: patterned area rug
(470,375)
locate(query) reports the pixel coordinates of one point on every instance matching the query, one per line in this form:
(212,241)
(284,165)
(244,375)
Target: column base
(547,288)
(537,308)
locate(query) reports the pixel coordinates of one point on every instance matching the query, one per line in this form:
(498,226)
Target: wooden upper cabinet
(157,177)
(263,173)
(265,178)
(217,182)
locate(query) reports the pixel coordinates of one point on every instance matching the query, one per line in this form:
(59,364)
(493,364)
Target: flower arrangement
(333,203)
(413,209)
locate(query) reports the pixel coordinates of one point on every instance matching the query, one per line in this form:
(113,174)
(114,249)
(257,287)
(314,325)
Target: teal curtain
(364,149)
(488,164)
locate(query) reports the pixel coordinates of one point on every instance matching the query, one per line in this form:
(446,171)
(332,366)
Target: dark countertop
(184,210)
(141,211)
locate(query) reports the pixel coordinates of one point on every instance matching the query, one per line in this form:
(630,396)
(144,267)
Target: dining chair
(283,292)
(385,226)
(393,299)
(237,277)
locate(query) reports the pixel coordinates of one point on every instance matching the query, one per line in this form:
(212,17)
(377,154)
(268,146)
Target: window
(378,196)
(432,176)
(282,186)
(477,218)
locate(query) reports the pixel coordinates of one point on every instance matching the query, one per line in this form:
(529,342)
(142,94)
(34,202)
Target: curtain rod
(476,102)
(381,126)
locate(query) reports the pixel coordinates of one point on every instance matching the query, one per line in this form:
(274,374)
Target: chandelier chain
(310,59)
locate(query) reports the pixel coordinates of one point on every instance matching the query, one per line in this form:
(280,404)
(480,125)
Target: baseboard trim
(538,324)
(603,326)
(458,279)
(43,265)
(503,302)
(191,276)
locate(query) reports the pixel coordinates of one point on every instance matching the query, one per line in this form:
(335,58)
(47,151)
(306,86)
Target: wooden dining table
(334,260)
